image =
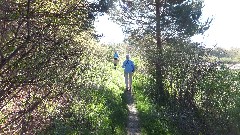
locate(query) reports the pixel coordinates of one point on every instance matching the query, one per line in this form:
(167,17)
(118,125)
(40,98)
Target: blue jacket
(128,66)
(115,55)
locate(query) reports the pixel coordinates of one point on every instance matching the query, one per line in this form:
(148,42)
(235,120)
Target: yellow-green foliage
(98,105)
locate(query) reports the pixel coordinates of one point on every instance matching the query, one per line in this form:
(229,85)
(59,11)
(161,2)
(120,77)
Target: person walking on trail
(115,59)
(129,69)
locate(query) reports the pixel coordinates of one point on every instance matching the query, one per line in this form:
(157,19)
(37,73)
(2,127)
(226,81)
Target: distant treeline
(230,56)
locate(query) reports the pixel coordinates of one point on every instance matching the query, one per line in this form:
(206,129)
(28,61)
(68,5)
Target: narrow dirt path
(133,121)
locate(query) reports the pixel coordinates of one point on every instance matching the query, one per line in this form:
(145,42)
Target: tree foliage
(178,18)
(55,78)
(186,66)
(46,54)
(152,25)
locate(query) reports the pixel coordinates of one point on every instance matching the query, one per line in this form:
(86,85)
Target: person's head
(127,56)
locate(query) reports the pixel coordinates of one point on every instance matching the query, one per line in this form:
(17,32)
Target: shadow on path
(133,121)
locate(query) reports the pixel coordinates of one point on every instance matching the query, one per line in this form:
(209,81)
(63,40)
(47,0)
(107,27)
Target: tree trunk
(160,95)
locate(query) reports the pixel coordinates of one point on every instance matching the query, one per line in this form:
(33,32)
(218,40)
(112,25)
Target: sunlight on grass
(151,120)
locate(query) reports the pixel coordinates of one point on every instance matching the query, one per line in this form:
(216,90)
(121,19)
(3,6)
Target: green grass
(94,111)
(152,120)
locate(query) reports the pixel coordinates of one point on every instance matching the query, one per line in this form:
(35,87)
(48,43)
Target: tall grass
(96,110)
(153,120)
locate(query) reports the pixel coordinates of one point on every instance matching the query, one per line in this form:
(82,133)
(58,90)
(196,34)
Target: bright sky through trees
(224,30)
(112,32)
(225,27)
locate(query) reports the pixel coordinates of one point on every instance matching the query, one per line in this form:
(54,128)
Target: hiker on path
(115,59)
(129,69)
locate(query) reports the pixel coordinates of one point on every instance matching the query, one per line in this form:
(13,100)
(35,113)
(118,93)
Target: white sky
(112,32)
(224,30)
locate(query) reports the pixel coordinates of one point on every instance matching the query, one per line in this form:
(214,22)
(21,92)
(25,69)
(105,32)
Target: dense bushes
(220,100)
(51,68)
(203,95)
(88,101)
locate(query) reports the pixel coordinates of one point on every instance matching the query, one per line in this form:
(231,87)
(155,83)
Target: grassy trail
(132,126)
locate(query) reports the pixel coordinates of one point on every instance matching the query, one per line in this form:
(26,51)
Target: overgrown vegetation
(203,98)
(52,80)
(56,79)
(184,87)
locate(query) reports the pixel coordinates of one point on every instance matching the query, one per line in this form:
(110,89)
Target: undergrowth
(152,120)
(100,110)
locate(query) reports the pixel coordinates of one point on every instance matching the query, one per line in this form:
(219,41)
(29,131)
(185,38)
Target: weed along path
(133,121)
